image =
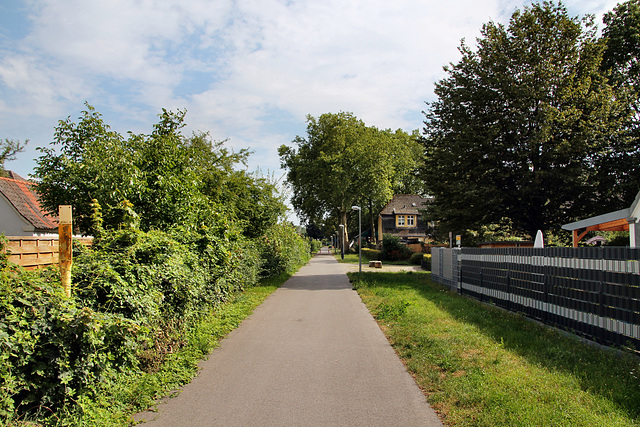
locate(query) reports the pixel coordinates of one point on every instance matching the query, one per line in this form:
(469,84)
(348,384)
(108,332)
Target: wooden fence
(595,292)
(35,252)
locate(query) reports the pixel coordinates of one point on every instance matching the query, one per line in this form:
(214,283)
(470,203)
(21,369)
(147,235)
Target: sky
(246,71)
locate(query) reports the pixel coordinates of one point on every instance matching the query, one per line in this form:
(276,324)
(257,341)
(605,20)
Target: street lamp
(342,240)
(357,208)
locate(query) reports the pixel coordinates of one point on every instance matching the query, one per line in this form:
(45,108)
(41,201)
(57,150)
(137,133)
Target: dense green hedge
(134,295)
(316,245)
(282,250)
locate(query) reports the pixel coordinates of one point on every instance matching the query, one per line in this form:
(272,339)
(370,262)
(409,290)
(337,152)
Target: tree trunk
(345,235)
(373,226)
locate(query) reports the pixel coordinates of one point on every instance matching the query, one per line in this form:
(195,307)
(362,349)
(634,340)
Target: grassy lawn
(367,255)
(481,366)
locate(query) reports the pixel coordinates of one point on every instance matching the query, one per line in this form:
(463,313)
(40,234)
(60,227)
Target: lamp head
(355,208)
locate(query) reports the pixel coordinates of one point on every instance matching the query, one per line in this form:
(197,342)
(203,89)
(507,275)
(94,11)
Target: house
(20,211)
(402,217)
(627,219)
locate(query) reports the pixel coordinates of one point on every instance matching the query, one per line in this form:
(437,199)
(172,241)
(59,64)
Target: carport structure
(623,220)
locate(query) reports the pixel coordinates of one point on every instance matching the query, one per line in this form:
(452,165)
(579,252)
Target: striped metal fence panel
(594,292)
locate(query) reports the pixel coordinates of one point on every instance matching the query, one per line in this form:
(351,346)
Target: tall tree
(620,170)
(519,124)
(343,162)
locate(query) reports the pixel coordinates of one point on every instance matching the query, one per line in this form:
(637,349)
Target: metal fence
(594,292)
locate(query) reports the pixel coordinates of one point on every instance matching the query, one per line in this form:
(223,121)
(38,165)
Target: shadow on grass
(613,375)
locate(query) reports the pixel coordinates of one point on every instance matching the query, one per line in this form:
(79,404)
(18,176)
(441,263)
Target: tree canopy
(166,178)
(620,169)
(520,125)
(342,162)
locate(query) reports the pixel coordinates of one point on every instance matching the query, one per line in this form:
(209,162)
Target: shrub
(416,258)
(316,245)
(371,254)
(283,250)
(53,350)
(135,295)
(393,249)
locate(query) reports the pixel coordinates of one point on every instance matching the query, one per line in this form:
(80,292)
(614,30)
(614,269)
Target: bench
(375,264)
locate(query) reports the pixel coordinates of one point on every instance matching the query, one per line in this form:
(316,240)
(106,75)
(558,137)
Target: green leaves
(8,150)
(50,349)
(165,178)
(519,125)
(342,162)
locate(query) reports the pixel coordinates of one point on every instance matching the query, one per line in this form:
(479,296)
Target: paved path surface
(310,355)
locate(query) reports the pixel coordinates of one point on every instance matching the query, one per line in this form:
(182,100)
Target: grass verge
(482,366)
(124,396)
(353,258)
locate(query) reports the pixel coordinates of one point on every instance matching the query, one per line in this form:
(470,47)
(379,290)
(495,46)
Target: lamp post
(342,241)
(357,208)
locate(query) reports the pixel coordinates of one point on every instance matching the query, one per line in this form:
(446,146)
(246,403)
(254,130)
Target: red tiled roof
(405,204)
(21,195)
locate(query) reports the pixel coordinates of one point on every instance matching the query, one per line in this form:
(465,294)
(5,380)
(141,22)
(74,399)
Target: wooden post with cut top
(65,233)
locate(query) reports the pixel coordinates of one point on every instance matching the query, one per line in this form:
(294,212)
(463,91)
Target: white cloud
(248,70)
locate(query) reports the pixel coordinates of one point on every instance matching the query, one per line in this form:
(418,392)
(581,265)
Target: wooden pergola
(622,220)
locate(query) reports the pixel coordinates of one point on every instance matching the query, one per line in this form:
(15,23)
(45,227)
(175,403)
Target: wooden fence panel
(33,252)
(36,252)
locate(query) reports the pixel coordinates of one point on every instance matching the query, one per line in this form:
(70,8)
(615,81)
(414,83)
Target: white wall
(11,222)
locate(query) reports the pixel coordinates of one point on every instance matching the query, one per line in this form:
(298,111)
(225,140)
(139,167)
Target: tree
(8,150)
(252,199)
(165,178)
(343,162)
(519,125)
(621,61)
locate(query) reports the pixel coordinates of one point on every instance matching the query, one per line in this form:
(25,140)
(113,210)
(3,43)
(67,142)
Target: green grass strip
(482,366)
(352,258)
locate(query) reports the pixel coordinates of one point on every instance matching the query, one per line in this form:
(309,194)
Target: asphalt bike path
(310,355)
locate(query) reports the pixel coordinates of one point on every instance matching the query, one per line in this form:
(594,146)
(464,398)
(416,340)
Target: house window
(405,220)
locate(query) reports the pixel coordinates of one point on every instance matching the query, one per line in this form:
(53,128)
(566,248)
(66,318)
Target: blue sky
(245,70)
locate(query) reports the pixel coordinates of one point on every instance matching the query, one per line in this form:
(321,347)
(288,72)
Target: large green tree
(342,162)
(620,169)
(519,125)
(168,179)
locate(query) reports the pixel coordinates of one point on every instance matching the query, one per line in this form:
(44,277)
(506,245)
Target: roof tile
(405,204)
(21,195)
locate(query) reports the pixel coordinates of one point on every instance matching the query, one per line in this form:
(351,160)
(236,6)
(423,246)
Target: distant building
(402,217)
(20,211)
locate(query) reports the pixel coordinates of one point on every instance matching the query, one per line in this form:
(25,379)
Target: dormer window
(405,220)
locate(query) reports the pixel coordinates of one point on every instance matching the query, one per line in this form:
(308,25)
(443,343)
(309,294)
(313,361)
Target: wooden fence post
(65,233)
